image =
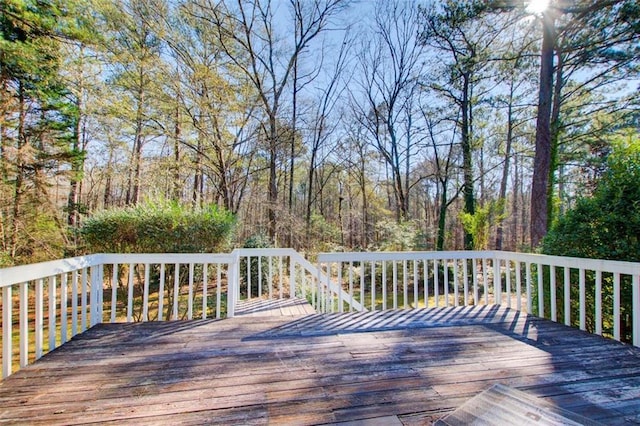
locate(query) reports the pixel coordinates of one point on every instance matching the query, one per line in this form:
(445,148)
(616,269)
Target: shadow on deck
(406,367)
(258,307)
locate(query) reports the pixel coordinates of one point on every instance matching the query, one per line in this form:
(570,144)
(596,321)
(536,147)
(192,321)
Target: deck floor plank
(416,366)
(260,307)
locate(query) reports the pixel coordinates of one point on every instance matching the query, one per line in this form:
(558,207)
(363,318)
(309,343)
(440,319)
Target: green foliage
(327,235)
(479,223)
(160,227)
(257,241)
(5,259)
(604,226)
(38,120)
(40,234)
(394,236)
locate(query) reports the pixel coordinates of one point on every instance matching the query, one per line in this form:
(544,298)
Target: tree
(248,37)
(594,44)
(323,125)
(605,225)
(216,99)
(455,30)
(514,75)
(443,164)
(391,65)
(134,49)
(36,124)
(79,70)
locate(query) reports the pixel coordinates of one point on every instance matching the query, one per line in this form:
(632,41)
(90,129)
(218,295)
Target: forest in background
(320,125)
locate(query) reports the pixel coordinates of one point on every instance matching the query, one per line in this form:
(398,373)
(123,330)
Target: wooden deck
(273,308)
(393,367)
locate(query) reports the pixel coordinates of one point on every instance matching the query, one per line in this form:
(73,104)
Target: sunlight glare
(537,6)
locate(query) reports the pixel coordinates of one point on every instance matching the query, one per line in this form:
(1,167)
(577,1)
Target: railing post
(114,292)
(63,308)
(24,324)
(292,277)
(540,271)
(233,285)
(315,289)
(616,306)
(635,327)
(497,282)
(39,322)
(52,312)
(74,304)
(528,284)
(7,325)
(583,300)
(100,293)
(93,297)
(567,296)
(145,294)
(83,301)
(518,285)
(553,293)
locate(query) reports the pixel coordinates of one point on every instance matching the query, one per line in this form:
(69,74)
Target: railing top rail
(23,273)
(264,252)
(630,268)
(401,255)
(168,258)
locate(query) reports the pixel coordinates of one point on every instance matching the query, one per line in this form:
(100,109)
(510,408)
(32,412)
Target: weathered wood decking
(393,367)
(273,308)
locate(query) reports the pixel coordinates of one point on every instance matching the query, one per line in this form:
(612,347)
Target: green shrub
(603,226)
(607,224)
(394,236)
(159,227)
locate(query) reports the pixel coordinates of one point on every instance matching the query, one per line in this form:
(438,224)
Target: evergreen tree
(36,123)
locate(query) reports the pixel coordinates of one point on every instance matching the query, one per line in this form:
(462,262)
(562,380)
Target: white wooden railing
(60,299)
(50,302)
(282,272)
(573,289)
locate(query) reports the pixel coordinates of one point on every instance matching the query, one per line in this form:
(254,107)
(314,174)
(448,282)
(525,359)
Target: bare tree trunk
(362,179)
(20,171)
(133,187)
(467,162)
(177,131)
(505,173)
(198,185)
(515,209)
(107,197)
(292,153)
(407,168)
(340,201)
(77,162)
(442,217)
(554,129)
(542,160)
(273,177)
(310,183)
(4,136)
